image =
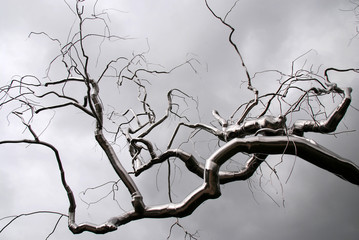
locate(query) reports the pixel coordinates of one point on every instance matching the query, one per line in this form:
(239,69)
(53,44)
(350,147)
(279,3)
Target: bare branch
(29,214)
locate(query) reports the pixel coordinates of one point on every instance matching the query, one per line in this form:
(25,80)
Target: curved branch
(29,214)
(137,201)
(191,163)
(198,168)
(307,149)
(70,195)
(200,126)
(231,40)
(338,70)
(168,111)
(324,126)
(304,148)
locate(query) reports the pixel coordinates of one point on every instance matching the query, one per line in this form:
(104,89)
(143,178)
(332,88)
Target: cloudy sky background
(270,35)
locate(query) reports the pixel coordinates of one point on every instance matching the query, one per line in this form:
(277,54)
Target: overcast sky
(270,35)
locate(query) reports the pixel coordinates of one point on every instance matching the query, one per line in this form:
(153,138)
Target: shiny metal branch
(307,149)
(137,200)
(324,126)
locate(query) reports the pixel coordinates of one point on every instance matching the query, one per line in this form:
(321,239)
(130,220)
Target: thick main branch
(308,150)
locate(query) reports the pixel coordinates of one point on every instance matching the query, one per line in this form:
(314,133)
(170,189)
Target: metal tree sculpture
(254,132)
